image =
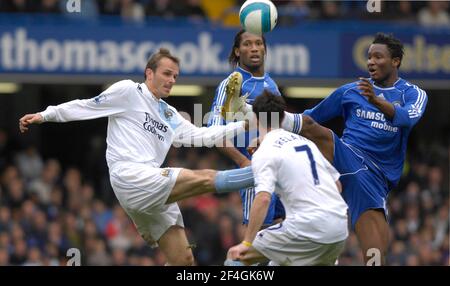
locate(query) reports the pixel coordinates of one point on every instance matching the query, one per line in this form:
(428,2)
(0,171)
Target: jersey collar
(386,88)
(147,92)
(250,74)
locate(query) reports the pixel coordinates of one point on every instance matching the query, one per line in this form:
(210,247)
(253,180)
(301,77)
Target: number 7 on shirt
(311,161)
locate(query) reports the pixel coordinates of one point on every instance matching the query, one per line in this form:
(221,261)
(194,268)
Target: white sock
(292,122)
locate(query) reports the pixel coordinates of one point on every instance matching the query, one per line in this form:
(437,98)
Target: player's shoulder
(270,140)
(264,153)
(409,88)
(270,81)
(351,86)
(126,83)
(268,78)
(166,106)
(123,86)
(273,135)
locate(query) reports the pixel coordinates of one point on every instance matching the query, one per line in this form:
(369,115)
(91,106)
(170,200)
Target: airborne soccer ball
(258,16)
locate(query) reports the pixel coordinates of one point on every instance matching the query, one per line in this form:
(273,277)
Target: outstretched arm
(25,121)
(188,133)
(112,101)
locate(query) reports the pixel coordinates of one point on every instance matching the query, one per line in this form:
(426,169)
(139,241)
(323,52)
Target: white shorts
(142,191)
(279,246)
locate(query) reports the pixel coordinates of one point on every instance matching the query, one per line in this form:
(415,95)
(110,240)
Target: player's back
(305,183)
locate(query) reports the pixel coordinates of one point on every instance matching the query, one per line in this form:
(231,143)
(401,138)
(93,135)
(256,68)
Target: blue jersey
(251,86)
(382,141)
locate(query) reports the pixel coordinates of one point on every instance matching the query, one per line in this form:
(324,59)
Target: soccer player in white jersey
(141,129)
(292,166)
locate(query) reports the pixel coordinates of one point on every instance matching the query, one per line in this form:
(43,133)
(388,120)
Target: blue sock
(234,180)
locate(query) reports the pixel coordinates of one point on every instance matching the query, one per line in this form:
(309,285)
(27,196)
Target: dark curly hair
(272,105)
(394,45)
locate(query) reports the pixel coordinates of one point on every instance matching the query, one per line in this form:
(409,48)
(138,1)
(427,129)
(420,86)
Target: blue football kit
(371,152)
(253,87)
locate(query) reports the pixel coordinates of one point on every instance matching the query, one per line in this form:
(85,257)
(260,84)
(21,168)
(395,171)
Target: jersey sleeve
(215,117)
(274,87)
(328,108)
(191,135)
(113,100)
(415,103)
(265,169)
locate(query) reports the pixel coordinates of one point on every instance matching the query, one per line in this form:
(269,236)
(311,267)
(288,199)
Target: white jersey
(141,128)
(294,168)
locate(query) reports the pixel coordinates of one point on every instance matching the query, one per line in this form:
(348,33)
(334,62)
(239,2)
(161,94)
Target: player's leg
(365,192)
(140,190)
(191,183)
(252,256)
(372,231)
(247,197)
(234,102)
(175,246)
(329,253)
(321,136)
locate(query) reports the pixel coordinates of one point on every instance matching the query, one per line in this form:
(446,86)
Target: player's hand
(366,88)
(237,252)
(28,119)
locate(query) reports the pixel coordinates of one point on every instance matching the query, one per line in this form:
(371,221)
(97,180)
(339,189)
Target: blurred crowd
(47,208)
(291,12)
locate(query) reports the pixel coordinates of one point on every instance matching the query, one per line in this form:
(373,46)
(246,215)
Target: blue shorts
(275,211)
(364,185)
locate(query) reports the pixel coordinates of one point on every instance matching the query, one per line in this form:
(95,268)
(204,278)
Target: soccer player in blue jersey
(379,114)
(247,57)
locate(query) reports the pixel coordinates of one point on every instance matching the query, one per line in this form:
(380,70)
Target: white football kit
(141,129)
(315,227)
